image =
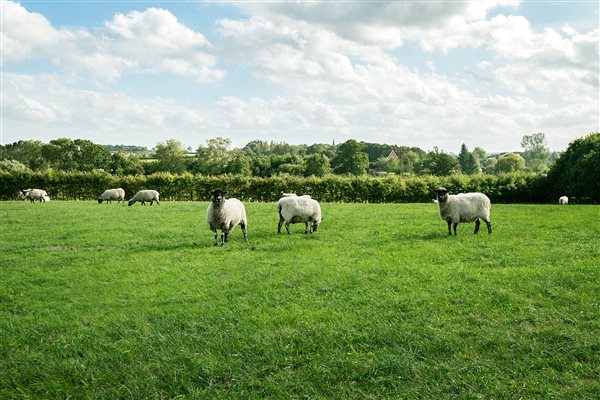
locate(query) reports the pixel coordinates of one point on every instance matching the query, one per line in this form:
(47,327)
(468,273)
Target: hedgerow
(509,188)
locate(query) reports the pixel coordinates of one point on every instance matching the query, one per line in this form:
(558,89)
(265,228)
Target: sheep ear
(224,193)
(211,192)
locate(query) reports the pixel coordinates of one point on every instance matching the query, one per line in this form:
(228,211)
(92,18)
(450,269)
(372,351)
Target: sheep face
(442,195)
(100,200)
(130,202)
(217,197)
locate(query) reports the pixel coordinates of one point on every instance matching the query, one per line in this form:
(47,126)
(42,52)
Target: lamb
(145,195)
(34,194)
(464,207)
(225,214)
(296,209)
(112,194)
(563,200)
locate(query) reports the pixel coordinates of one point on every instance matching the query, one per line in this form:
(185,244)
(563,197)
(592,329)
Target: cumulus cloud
(152,41)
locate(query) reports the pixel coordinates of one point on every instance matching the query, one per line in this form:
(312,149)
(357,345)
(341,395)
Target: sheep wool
(145,195)
(297,209)
(563,200)
(112,194)
(224,215)
(464,207)
(33,195)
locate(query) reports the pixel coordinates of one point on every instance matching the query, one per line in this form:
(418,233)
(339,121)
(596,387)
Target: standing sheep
(296,209)
(34,194)
(464,207)
(563,200)
(112,194)
(225,214)
(145,195)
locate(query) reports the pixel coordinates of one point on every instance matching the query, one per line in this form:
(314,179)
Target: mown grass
(109,301)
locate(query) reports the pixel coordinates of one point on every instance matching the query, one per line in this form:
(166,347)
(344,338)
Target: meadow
(109,301)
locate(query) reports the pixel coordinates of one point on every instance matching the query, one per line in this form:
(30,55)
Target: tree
(60,154)
(350,159)
(316,165)
(440,163)
(170,156)
(27,152)
(123,164)
(536,152)
(238,163)
(468,162)
(89,156)
(577,171)
(212,159)
(509,162)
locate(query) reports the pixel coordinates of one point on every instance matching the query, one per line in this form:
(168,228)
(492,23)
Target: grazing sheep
(225,214)
(112,194)
(145,195)
(563,200)
(34,194)
(283,194)
(464,207)
(296,209)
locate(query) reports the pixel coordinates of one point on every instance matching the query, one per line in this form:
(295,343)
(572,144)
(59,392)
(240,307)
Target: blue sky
(419,73)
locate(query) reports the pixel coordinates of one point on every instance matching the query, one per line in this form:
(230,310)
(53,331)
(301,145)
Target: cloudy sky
(415,73)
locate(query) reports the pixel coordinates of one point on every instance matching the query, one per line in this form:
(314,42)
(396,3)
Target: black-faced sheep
(295,209)
(33,195)
(464,207)
(112,194)
(224,214)
(145,195)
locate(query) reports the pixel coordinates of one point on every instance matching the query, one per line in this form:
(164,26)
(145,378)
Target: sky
(411,73)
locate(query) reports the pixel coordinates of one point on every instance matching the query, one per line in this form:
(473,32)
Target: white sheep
(143,196)
(564,200)
(464,207)
(34,194)
(112,194)
(297,209)
(224,214)
(283,194)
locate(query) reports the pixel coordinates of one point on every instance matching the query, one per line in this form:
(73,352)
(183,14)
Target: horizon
(416,74)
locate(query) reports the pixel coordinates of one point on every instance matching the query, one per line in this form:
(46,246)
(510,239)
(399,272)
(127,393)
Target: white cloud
(152,41)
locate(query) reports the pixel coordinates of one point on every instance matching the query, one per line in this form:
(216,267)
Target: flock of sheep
(224,214)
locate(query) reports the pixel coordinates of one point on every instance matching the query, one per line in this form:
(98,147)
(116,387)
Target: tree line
(260,158)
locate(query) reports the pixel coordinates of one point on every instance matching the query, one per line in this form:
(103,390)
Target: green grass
(109,301)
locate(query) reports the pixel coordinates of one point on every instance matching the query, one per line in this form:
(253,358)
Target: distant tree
(238,163)
(469,164)
(392,165)
(89,156)
(350,159)
(535,152)
(261,166)
(440,163)
(124,164)
(27,152)
(316,165)
(214,158)
(509,162)
(60,154)
(12,165)
(169,156)
(577,171)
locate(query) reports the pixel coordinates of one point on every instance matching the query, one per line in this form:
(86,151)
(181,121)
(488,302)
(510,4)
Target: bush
(508,188)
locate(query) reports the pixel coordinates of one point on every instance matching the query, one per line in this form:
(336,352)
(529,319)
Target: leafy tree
(577,171)
(316,165)
(350,159)
(509,162)
(27,152)
(440,163)
(238,163)
(213,159)
(388,164)
(536,152)
(261,166)
(89,156)
(12,165)
(60,154)
(170,156)
(123,164)
(469,164)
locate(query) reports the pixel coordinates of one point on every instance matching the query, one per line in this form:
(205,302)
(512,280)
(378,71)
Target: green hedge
(510,188)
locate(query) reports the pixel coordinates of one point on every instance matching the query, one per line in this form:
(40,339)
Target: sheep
(145,195)
(464,207)
(296,209)
(34,194)
(563,200)
(225,214)
(112,194)
(283,194)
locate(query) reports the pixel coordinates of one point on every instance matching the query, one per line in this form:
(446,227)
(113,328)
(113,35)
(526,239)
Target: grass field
(109,301)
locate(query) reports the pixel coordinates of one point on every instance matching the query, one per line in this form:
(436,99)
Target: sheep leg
(244,227)
(489,226)
(279,225)
(449,227)
(287,227)
(454,225)
(143,202)
(477,223)
(224,234)
(216,236)
(306,228)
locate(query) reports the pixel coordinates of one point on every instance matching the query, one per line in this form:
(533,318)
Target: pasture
(109,301)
